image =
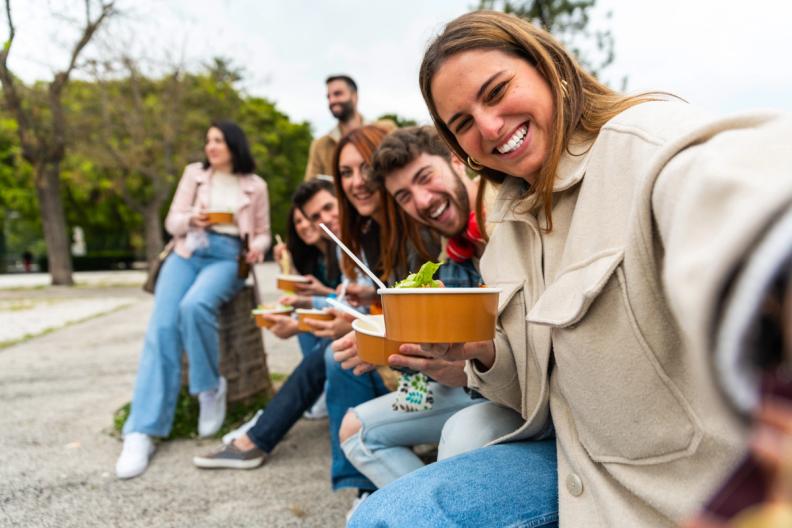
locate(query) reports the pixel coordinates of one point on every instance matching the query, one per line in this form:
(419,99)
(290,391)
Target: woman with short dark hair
(218,204)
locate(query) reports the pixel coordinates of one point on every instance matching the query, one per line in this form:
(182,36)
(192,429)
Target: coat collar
(570,172)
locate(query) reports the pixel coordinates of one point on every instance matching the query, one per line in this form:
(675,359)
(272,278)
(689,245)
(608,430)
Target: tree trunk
(54,222)
(152,232)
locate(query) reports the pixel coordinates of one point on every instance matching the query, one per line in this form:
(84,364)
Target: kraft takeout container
(220,217)
(304,314)
(263,323)
(289,283)
(372,346)
(440,315)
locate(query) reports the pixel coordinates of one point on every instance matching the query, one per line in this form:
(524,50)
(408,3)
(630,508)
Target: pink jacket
(252,218)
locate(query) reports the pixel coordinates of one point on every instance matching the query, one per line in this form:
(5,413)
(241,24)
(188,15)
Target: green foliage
(570,22)
(280,149)
(400,121)
(185,421)
(20,225)
(129,138)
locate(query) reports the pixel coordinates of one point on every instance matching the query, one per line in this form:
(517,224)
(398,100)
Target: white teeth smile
(513,142)
(437,212)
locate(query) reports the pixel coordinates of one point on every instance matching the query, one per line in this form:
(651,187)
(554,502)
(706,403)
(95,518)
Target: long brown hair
(582,103)
(396,229)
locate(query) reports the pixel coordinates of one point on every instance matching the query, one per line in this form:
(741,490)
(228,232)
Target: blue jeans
(307,342)
(344,391)
(509,485)
(298,393)
(187,298)
(381,450)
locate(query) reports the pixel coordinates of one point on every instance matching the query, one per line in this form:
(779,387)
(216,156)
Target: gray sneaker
(231,457)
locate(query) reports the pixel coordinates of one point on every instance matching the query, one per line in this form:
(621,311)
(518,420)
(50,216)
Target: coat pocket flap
(567,299)
(509,290)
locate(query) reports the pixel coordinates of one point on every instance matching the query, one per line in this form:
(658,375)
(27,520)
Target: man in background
(342,99)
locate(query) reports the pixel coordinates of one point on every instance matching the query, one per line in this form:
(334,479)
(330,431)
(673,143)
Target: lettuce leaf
(422,278)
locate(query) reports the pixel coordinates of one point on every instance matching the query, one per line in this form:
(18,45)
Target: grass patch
(185,421)
(24,288)
(12,342)
(17,305)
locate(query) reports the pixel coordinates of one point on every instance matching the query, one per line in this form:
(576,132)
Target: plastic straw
(354,258)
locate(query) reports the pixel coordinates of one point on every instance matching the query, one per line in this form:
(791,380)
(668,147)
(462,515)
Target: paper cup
(372,346)
(440,315)
(303,315)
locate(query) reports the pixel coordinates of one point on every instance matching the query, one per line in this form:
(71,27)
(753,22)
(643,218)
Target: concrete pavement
(58,393)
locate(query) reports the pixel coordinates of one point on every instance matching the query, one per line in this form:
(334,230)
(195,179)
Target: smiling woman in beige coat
(621,227)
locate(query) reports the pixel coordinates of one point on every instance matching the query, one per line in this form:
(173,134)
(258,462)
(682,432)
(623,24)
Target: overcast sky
(719,54)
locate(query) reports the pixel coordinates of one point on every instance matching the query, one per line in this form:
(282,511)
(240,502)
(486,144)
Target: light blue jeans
(188,295)
(506,485)
(381,449)
(345,391)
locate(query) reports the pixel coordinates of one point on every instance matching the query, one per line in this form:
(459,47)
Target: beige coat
(605,321)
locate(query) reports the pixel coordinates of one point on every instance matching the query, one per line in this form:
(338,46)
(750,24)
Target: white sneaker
(135,455)
(213,409)
(356,504)
(242,429)
(318,410)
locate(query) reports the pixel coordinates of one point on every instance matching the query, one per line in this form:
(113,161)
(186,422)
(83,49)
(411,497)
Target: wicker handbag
(154,269)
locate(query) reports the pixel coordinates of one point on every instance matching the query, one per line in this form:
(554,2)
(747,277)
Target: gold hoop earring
(474,165)
(565,89)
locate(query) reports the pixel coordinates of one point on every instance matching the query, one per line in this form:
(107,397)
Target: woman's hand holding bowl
(482,352)
(283,326)
(450,372)
(199,219)
(345,353)
(338,326)
(313,287)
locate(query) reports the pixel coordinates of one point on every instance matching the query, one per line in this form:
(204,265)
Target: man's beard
(345,113)
(458,198)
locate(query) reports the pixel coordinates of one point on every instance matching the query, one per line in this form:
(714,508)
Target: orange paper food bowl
(258,313)
(440,315)
(220,217)
(372,346)
(289,283)
(302,315)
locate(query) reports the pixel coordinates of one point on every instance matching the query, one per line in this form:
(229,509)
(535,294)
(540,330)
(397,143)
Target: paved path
(57,395)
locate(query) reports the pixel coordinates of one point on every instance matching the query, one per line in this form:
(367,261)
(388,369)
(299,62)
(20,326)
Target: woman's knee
(192,308)
(350,425)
